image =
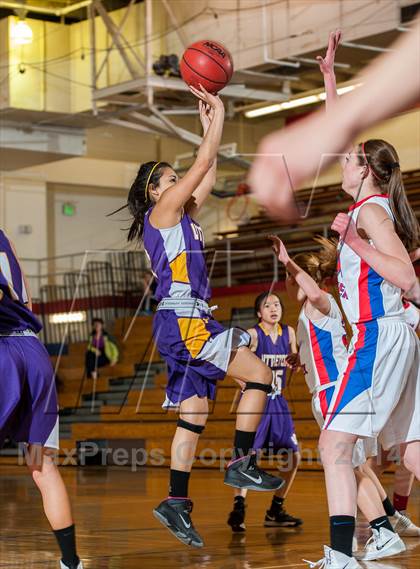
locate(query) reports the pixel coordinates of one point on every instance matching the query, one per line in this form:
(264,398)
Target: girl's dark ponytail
(139,201)
(406,224)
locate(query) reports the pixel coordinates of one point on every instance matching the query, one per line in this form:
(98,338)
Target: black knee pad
(190,426)
(266,387)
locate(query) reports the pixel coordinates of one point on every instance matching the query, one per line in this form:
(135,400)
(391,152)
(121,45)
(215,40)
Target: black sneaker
(175,515)
(245,473)
(236,518)
(280,518)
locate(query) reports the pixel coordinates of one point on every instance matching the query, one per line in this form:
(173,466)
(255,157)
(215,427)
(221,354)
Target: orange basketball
(209,63)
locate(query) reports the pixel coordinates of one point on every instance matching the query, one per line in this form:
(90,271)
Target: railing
(104,284)
(111,284)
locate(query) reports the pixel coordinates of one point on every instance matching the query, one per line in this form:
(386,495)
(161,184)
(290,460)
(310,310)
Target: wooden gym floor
(116,528)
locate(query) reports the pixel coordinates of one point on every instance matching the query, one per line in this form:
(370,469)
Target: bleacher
(251,255)
(126,401)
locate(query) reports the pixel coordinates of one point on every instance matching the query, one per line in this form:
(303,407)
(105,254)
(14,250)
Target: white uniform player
(322,353)
(378,394)
(322,347)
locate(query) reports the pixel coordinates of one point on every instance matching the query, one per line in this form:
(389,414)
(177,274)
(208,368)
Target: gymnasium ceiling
(281,80)
(291,81)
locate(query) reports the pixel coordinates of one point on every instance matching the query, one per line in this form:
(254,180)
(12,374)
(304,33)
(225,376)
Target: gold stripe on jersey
(179,268)
(194,334)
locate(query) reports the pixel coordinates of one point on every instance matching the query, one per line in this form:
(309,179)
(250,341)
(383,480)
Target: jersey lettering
(274,360)
(277,382)
(197,232)
(342,291)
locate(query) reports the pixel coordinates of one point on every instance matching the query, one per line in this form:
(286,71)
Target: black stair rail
(107,289)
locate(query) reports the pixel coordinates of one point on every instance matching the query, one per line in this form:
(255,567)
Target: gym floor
(116,528)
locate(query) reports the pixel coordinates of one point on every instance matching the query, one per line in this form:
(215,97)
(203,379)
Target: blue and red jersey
(365,295)
(322,347)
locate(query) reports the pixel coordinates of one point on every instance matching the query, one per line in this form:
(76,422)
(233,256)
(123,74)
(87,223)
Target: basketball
(209,63)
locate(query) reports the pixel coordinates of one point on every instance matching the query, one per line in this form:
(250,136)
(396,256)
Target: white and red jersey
(411,314)
(365,295)
(322,350)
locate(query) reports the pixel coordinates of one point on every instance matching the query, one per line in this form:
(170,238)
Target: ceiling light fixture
(293,103)
(21,33)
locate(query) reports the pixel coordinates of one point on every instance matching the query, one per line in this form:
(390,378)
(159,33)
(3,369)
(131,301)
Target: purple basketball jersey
(14,315)
(177,258)
(274,354)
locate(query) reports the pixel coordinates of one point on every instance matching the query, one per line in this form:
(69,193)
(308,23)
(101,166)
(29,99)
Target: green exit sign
(69,209)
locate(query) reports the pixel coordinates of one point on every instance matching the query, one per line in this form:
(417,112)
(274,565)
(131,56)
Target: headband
(146,195)
(393,165)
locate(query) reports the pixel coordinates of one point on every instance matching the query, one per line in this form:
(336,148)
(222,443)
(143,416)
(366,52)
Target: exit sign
(69,209)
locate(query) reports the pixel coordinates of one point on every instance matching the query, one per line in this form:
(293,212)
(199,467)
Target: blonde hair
(321,264)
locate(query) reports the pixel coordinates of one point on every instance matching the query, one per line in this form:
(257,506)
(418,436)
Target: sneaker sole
(185,541)
(394,549)
(282,525)
(254,487)
(237,529)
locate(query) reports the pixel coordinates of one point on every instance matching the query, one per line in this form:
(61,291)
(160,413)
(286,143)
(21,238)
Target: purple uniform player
(276,431)
(198,350)
(18,340)
(28,398)
(272,342)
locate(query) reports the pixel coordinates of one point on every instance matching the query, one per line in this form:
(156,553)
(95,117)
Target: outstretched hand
(346,228)
(206,115)
(326,64)
(279,249)
(213,101)
(293,361)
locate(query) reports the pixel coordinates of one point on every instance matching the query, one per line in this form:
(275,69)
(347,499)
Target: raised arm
(313,143)
(326,65)
(317,297)
(388,257)
(205,187)
(169,207)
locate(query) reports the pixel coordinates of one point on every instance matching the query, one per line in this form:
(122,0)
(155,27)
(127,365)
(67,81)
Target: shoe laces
(253,466)
(188,507)
(374,538)
(403,521)
(312,564)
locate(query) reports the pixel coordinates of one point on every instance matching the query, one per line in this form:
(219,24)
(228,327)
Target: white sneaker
(404,526)
(334,560)
(64,566)
(382,543)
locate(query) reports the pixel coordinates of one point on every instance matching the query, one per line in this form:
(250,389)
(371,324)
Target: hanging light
(21,33)
(293,103)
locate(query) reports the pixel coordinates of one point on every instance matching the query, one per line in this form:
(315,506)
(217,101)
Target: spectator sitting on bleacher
(101,350)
